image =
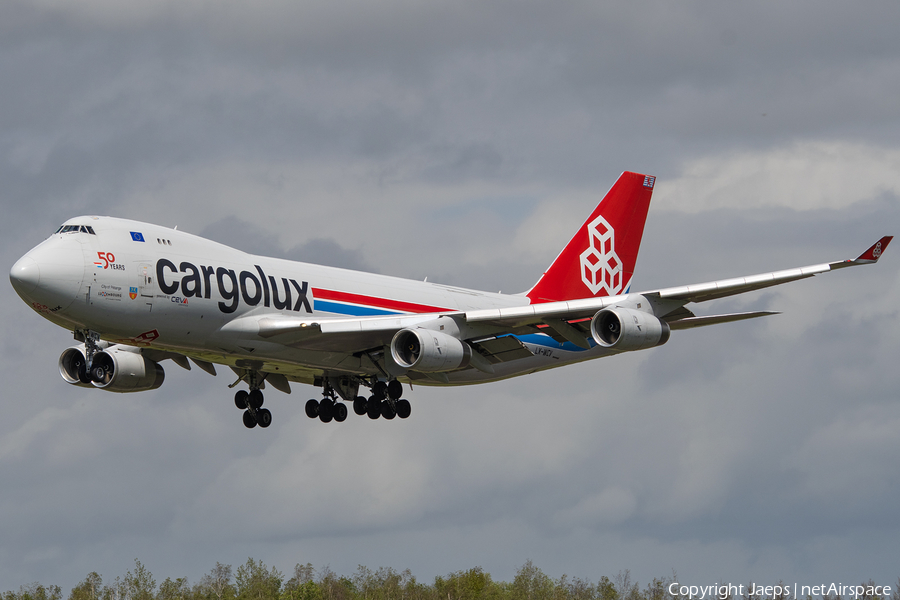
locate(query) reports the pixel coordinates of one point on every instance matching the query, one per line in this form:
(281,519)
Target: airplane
(135,294)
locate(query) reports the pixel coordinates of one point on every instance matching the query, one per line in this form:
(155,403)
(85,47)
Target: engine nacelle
(72,366)
(626,329)
(116,370)
(429,351)
(113,370)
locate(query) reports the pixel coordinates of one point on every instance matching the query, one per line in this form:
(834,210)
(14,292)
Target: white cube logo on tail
(601,268)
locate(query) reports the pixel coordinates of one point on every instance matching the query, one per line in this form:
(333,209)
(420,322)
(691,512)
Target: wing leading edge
(669,301)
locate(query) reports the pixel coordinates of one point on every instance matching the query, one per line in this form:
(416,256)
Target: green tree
(363,581)
(174,589)
(115,591)
(473,584)
(658,589)
(334,587)
(606,590)
(388,584)
(531,583)
(302,585)
(89,589)
(576,589)
(413,590)
(216,584)
(35,591)
(139,584)
(253,581)
(625,587)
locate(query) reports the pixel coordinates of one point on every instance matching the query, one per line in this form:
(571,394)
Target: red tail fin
(600,259)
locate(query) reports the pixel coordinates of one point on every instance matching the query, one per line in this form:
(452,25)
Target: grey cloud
(131,98)
(237,233)
(726,446)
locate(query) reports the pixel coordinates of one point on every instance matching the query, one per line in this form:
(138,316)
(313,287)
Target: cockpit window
(76,229)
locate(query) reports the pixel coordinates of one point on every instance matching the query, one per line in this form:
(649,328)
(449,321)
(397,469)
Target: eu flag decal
(137,236)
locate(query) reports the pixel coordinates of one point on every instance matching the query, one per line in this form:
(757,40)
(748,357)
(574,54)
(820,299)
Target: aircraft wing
(560,316)
(569,320)
(730,287)
(351,334)
(562,320)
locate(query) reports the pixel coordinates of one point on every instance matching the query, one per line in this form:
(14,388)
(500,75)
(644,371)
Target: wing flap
(502,349)
(691,322)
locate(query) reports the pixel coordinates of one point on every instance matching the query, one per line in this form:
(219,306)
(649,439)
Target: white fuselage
(145,285)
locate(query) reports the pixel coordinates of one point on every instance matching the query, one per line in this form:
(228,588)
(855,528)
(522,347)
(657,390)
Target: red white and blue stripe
(359,305)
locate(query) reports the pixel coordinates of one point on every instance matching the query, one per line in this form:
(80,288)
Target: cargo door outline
(146,285)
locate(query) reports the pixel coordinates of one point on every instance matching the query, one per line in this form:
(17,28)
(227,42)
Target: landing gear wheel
(249,420)
(403,409)
(326,410)
(340,412)
(379,389)
(373,408)
(255,399)
(312,408)
(394,389)
(387,411)
(240,399)
(359,405)
(264,417)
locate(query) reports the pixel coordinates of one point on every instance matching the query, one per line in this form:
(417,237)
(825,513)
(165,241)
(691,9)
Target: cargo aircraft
(136,294)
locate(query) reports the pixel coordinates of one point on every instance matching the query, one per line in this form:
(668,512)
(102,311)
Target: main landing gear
(251,403)
(330,408)
(384,402)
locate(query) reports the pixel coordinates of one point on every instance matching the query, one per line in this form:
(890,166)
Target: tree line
(255,581)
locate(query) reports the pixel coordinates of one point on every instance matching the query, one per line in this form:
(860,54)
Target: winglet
(869,257)
(874,253)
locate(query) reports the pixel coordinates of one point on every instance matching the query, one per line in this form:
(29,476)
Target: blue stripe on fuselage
(351,309)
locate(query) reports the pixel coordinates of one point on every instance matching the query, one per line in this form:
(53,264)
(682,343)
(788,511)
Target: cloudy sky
(465,141)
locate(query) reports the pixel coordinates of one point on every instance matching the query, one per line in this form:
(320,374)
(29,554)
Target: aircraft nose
(51,274)
(25,275)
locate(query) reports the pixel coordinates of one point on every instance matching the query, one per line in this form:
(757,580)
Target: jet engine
(626,329)
(113,369)
(429,351)
(72,366)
